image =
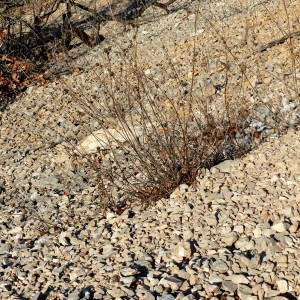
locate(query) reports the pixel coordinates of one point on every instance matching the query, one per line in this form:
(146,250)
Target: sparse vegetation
(157,138)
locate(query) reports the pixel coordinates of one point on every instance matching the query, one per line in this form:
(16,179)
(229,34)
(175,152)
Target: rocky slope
(235,231)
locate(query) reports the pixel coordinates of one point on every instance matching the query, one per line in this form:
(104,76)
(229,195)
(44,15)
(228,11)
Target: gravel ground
(235,231)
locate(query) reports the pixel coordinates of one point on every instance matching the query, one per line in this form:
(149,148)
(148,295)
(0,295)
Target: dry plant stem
(171,154)
(194,53)
(243,68)
(127,131)
(183,122)
(226,103)
(155,110)
(291,48)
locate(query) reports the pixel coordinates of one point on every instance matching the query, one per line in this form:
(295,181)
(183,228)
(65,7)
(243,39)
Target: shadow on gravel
(289,296)
(87,292)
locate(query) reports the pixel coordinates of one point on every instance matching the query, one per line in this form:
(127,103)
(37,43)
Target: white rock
(214,278)
(282,285)
(257,232)
(117,293)
(227,165)
(181,250)
(105,139)
(102,139)
(187,235)
(280,226)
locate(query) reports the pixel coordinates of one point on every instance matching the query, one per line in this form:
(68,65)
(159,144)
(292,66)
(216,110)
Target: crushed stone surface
(235,231)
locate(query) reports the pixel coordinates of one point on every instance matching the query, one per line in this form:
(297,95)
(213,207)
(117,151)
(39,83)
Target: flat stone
(116,293)
(171,282)
(211,221)
(189,297)
(280,226)
(214,278)
(244,243)
(219,266)
(129,271)
(230,238)
(144,294)
(143,264)
(211,288)
(102,139)
(245,292)
(127,281)
(74,295)
(269,245)
(230,286)
(283,286)
(129,292)
(47,182)
(5,248)
(238,278)
(166,297)
(77,272)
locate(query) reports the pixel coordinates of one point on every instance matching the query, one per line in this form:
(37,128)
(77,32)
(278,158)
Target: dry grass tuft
(156,140)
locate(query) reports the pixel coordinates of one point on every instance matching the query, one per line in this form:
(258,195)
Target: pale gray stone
(116,292)
(129,271)
(238,278)
(245,292)
(166,297)
(230,238)
(128,280)
(189,297)
(214,278)
(144,293)
(228,285)
(244,243)
(219,266)
(5,248)
(172,282)
(74,295)
(211,221)
(227,165)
